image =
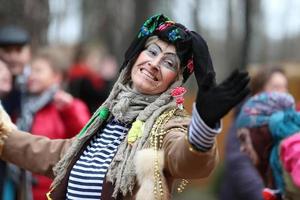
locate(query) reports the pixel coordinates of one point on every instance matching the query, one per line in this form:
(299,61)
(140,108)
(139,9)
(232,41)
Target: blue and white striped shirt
(201,135)
(88,173)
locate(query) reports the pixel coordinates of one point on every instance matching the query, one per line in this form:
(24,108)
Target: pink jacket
(290,157)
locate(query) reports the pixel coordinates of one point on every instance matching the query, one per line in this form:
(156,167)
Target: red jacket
(57,124)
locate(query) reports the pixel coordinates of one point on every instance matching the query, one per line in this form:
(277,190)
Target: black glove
(214,101)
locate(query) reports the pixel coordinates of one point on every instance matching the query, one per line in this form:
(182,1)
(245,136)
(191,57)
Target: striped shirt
(200,135)
(88,173)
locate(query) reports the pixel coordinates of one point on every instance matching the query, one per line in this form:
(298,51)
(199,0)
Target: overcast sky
(281,18)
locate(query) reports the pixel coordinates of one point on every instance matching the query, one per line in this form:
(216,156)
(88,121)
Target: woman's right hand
(6,124)
(214,101)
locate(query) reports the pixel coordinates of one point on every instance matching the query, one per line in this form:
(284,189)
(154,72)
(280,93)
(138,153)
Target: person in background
(47,109)
(269,79)
(265,121)
(240,179)
(15,51)
(290,160)
(5,80)
(5,88)
(141,138)
(91,74)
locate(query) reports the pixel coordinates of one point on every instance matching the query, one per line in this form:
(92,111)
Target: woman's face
(277,82)
(247,145)
(42,76)
(155,69)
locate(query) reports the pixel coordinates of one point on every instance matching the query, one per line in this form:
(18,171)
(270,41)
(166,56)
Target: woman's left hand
(214,101)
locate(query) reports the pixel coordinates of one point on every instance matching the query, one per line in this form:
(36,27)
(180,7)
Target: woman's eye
(152,52)
(169,63)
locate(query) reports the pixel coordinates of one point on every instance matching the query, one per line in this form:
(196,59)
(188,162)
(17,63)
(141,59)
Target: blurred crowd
(43,89)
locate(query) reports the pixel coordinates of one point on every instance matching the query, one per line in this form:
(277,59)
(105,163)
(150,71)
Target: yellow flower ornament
(136,131)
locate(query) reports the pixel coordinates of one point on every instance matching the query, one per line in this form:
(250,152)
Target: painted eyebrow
(157,46)
(174,57)
(168,53)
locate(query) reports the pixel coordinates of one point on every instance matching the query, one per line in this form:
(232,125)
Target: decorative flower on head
(190,65)
(191,48)
(174,35)
(151,25)
(165,25)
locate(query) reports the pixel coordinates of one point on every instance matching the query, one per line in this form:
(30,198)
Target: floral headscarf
(258,110)
(191,48)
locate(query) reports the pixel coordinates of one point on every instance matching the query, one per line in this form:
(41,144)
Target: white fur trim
(144,165)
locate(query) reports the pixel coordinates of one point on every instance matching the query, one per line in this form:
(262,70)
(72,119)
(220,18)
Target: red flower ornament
(190,65)
(165,25)
(178,93)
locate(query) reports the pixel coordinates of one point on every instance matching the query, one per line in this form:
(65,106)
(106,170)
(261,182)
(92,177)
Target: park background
(245,34)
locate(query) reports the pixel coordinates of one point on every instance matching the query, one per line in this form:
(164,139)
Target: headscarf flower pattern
(191,48)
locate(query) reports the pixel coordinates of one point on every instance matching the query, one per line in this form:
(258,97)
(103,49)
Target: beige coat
(39,155)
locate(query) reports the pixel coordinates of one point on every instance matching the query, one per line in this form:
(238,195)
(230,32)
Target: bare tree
(33,15)
(114,23)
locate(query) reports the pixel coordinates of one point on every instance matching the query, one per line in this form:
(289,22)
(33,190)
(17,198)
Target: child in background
(48,110)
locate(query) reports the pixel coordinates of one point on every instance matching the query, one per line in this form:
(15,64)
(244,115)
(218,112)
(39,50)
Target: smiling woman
(140,139)
(155,68)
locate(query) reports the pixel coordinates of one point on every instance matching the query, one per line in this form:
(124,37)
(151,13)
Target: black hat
(13,35)
(191,48)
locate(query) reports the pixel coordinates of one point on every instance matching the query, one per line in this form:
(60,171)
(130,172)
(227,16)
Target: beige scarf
(126,105)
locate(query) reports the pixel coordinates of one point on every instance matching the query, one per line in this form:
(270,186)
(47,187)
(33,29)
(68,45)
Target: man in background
(15,52)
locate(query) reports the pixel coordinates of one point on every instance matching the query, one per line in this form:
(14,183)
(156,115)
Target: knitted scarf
(127,105)
(31,104)
(122,100)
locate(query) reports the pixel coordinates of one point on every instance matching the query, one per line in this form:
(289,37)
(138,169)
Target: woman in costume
(265,122)
(140,139)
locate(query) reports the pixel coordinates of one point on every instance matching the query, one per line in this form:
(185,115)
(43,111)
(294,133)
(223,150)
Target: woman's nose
(155,62)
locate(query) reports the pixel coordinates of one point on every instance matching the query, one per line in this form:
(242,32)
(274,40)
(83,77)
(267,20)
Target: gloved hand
(214,101)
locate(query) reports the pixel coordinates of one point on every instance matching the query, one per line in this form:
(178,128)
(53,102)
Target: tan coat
(39,155)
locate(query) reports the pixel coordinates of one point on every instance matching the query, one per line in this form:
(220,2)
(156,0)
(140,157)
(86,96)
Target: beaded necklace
(157,136)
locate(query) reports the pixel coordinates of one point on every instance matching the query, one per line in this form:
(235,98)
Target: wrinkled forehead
(165,46)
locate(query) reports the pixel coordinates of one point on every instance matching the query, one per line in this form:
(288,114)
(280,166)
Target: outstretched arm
(34,153)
